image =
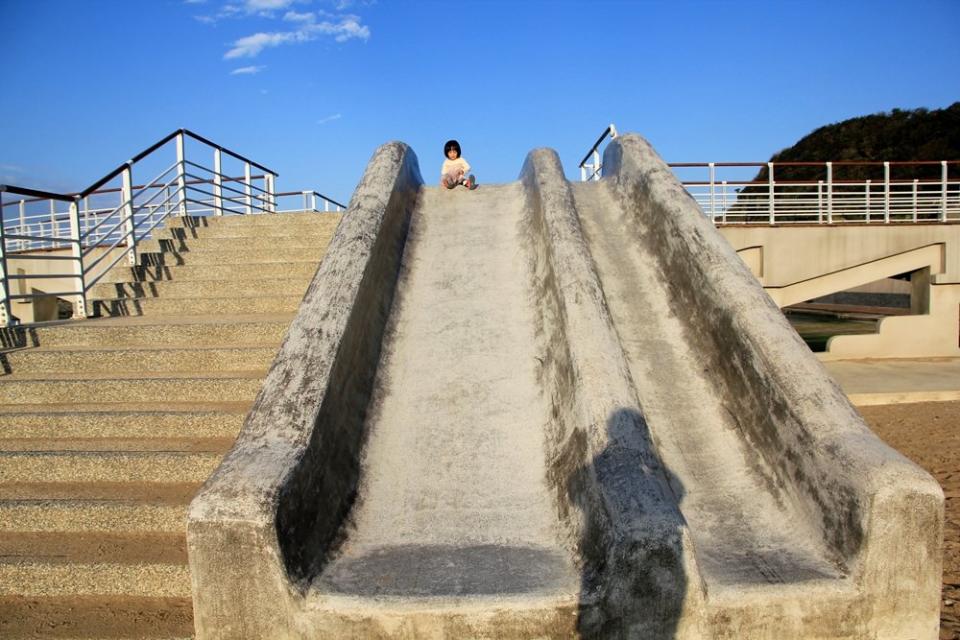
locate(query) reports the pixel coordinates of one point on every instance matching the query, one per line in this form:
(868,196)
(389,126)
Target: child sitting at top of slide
(455,168)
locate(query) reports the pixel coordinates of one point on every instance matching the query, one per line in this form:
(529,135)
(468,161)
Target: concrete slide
(544,410)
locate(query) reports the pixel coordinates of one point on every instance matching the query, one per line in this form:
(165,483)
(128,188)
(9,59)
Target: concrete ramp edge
(264,520)
(613,494)
(880,516)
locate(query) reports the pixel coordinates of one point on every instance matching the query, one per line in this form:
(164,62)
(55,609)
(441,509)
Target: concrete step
(143,422)
(277,244)
(203,288)
(319,227)
(248,329)
(157,360)
(241,270)
(117,307)
(89,516)
(227,254)
(139,468)
(75,617)
(123,547)
(214,386)
(49,579)
(244,222)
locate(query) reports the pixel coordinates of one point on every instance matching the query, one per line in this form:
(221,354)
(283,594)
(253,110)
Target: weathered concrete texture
(265,521)
(489,421)
(812,542)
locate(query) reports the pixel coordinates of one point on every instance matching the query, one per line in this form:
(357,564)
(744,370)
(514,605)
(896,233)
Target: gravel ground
(929,434)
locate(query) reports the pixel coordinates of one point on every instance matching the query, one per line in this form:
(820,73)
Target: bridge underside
(797,264)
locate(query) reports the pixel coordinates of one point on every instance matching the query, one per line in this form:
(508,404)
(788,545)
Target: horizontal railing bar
(12,236)
(200,138)
(40,276)
(35,193)
(70,197)
(23,255)
(811,163)
(45,294)
(300,193)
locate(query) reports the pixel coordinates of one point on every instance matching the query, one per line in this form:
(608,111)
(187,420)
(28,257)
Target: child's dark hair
(451,144)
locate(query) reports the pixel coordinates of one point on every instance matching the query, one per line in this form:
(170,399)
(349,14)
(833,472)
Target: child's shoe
(471,182)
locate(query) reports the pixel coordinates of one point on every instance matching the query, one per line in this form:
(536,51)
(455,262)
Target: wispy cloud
(251,70)
(330,118)
(293,16)
(298,26)
(345,28)
(255,6)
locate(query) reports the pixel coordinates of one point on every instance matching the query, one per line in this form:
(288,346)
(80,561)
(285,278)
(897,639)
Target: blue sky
(311,88)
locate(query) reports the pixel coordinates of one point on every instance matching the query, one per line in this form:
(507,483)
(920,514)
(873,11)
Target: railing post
(943,191)
(181,174)
(829,193)
(24,244)
(723,200)
(868,202)
(217,182)
(268,184)
(915,182)
(246,188)
(76,252)
(713,194)
(126,215)
(770,185)
(6,315)
(54,231)
(326,205)
(596,165)
(583,173)
(819,201)
(886,192)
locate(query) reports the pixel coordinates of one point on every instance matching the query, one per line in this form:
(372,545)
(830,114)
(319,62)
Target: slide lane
(742,533)
(453,499)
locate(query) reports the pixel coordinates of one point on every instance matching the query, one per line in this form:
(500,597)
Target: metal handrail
(315,194)
(124,224)
(143,154)
(610,129)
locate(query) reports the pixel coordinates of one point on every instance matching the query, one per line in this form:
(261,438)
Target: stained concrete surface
(453,498)
(540,411)
(742,532)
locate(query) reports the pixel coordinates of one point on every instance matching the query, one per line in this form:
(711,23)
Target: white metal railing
(103,226)
(921,192)
(912,196)
(594,170)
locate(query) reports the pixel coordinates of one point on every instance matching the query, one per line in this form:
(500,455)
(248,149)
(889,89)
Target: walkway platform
(894,381)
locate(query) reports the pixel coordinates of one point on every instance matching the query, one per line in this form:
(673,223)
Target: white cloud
(347,28)
(255,6)
(293,16)
(251,70)
(251,46)
(330,118)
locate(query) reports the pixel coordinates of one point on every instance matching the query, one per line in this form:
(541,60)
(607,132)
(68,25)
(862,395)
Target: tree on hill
(900,135)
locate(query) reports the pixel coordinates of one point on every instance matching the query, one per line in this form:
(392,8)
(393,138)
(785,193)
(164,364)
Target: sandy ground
(929,434)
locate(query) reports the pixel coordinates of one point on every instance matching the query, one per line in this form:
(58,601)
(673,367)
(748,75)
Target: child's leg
(450,180)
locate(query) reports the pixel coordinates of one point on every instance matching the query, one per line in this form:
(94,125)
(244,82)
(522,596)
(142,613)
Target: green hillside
(917,134)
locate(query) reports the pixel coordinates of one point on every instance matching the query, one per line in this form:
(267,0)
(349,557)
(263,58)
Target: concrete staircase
(109,426)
